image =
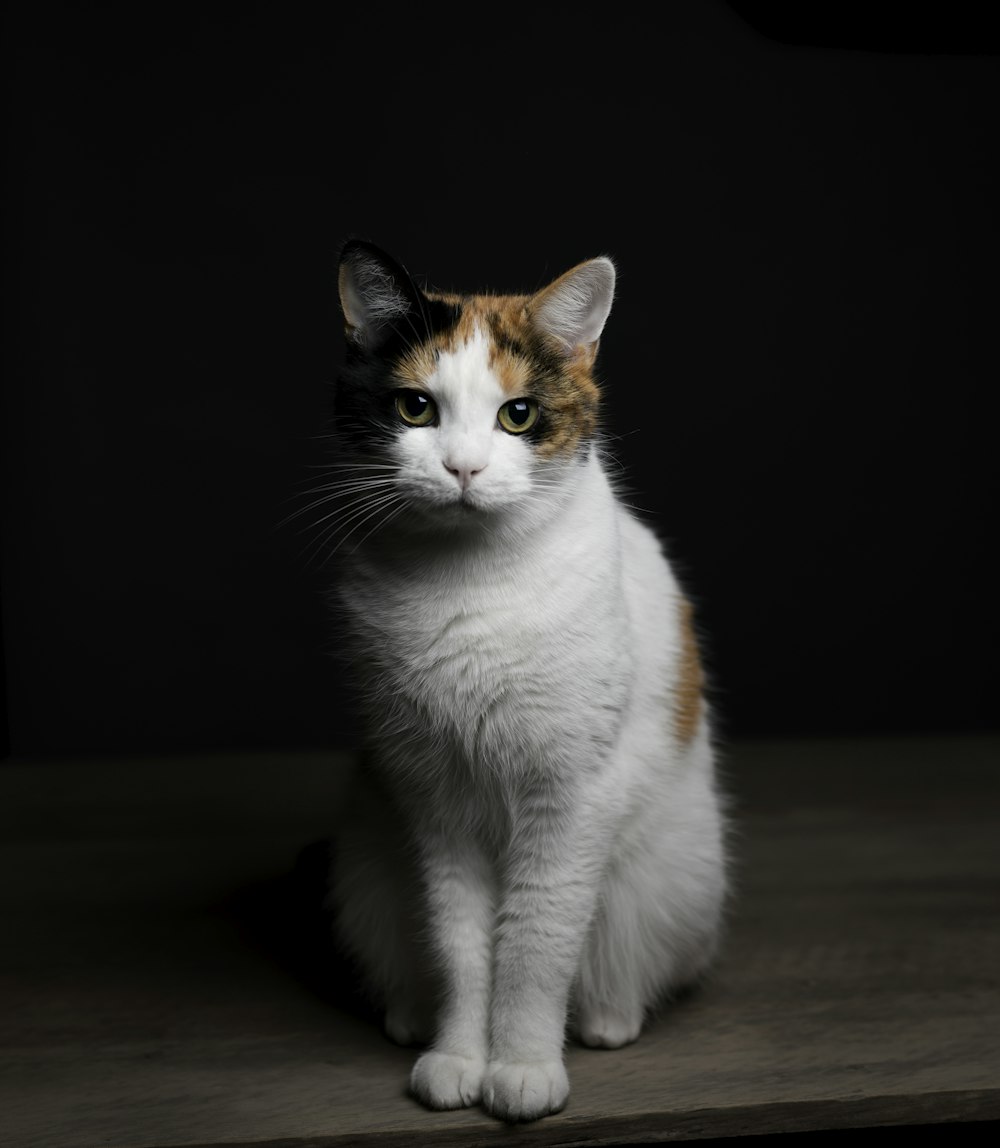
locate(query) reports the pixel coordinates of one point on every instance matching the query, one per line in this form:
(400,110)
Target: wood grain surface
(166,977)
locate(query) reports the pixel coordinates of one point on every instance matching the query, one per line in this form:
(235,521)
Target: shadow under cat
(285,919)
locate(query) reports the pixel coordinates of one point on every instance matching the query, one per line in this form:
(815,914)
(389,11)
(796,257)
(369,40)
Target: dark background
(800,369)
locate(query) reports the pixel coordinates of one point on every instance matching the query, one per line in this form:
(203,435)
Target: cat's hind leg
(376,906)
(657,922)
(611,994)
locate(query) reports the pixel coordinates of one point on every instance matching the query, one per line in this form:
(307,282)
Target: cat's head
(467,406)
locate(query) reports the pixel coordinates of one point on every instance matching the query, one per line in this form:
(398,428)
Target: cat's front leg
(460,894)
(549,897)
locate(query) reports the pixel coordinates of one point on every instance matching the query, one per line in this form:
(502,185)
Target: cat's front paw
(443,1080)
(525,1091)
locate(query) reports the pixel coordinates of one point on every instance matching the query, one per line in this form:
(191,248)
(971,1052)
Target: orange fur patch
(688,701)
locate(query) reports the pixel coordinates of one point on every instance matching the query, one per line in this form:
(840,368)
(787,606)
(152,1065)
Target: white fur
(531,842)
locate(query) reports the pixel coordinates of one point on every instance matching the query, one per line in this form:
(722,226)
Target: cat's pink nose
(464,474)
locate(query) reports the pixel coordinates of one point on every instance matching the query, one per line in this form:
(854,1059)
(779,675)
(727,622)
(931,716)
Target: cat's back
(655,602)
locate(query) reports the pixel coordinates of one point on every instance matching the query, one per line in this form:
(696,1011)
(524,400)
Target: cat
(536,838)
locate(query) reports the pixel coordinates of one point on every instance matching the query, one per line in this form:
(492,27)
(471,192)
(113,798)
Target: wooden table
(166,980)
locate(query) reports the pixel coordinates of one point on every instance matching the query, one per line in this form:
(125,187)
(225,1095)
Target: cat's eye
(518,416)
(416,408)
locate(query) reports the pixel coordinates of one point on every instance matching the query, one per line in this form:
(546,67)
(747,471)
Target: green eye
(518,416)
(416,408)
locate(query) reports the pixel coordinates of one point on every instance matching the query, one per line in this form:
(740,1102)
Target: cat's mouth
(468,505)
(458,506)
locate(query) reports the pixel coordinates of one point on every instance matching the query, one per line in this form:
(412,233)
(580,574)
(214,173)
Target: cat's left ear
(377,295)
(573,309)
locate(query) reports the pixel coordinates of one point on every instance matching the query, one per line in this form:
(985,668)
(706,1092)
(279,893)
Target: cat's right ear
(377,295)
(572,311)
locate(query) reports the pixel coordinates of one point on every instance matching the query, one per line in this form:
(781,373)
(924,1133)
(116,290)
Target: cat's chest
(468,625)
(500,638)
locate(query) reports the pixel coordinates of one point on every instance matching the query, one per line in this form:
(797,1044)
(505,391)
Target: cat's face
(455,408)
(462,440)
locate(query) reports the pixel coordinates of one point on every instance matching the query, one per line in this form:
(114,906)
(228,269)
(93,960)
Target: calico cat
(536,836)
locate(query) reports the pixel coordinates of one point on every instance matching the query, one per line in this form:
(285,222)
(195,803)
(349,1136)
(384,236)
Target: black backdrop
(799,368)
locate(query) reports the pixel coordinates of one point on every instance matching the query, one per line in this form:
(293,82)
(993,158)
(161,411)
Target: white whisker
(341,515)
(379,525)
(363,491)
(358,516)
(381,505)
